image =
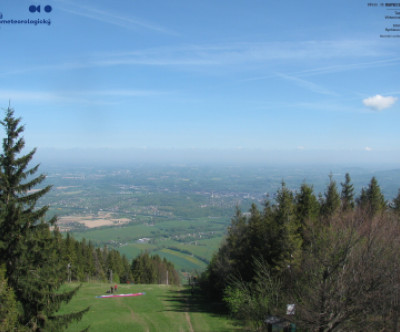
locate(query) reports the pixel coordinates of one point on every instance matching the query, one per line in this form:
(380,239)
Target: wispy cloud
(87,97)
(307,85)
(108,17)
(335,69)
(21,95)
(46,67)
(348,67)
(240,55)
(124,93)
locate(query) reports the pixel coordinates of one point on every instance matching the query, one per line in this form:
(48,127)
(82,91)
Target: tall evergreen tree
(331,203)
(238,242)
(90,267)
(98,263)
(142,269)
(224,263)
(396,204)
(347,194)
(126,275)
(307,208)
(18,213)
(372,199)
(285,217)
(258,230)
(27,248)
(148,269)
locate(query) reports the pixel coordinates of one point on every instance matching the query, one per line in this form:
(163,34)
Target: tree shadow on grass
(185,300)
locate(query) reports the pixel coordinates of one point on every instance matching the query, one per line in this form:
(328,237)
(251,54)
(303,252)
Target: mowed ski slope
(162,308)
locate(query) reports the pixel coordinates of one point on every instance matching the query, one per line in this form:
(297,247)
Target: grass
(181,263)
(162,308)
(195,238)
(166,228)
(189,258)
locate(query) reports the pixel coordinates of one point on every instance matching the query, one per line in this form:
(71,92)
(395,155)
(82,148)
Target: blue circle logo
(48,9)
(34,9)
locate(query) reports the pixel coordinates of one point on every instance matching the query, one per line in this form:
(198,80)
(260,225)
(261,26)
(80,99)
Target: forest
(327,263)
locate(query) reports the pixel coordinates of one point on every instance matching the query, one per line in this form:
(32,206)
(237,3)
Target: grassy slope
(162,308)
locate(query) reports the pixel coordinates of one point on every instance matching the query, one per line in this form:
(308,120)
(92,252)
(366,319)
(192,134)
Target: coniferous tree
(396,204)
(142,269)
(18,213)
(362,200)
(148,269)
(376,198)
(331,203)
(8,306)
(347,194)
(372,199)
(307,208)
(114,263)
(70,257)
(285,216)
(126,275)
(99,268)
(237,243)
(27,247)
(260,230)
(79,267)
(90,267)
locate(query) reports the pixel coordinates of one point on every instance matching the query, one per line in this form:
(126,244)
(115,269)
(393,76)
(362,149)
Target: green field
(188,244)
(181,213)
(162,308)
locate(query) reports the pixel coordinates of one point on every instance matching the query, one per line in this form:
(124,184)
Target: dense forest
(85,262)
(326,263)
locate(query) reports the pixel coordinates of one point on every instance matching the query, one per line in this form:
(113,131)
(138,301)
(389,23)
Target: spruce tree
(257,232)
(18,213)
(307,208)
(372,199)
(8,306)
(347,194)
(375,196)
(331,203)
(27,247)
(396,204)
(285,217)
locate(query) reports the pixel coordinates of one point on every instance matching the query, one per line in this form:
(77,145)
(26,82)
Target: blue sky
(311,78)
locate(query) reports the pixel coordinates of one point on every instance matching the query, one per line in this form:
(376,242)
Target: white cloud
(379,103)
(367,148)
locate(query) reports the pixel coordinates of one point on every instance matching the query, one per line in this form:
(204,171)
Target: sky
(286,80)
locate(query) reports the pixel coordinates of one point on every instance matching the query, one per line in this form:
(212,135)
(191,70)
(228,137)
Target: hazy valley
(180,212)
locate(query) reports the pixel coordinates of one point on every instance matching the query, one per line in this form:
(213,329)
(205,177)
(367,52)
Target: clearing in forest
(162,308)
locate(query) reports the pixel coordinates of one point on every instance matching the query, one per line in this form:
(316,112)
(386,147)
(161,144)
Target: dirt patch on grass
(189,322)
(91,221)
